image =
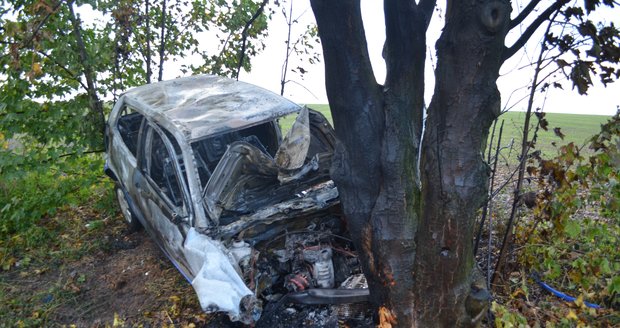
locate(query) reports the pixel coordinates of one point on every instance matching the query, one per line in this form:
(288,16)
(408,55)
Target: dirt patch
(127,282)
(124,280)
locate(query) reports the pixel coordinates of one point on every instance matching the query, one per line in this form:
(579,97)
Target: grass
(287,121)
(576,128)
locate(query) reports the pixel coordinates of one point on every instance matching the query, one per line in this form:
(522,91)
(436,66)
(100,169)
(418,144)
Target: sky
(516,74)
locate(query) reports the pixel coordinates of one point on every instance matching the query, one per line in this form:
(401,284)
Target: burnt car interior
(209,151)
(249,179)
(129,127)
(162,168)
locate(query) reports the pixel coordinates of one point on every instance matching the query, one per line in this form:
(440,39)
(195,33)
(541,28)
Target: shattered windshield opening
(209,151)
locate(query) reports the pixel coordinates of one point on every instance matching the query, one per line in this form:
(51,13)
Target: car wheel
(130,218)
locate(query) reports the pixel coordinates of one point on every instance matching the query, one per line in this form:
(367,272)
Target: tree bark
(378,130)
(454,176)
(414,231)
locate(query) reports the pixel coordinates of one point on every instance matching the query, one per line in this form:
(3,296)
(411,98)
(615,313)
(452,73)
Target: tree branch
(36,30)
(289,23)
(162,44)
(147,16)
(71,74)
(524,13)
(95,104)
(544,16)
(405,52)
(348,72)
(244,35)
(40,25)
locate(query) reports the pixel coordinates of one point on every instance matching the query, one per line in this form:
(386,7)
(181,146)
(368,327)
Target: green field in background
(577,128)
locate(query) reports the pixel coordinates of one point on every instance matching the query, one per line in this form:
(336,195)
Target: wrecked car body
(246,214)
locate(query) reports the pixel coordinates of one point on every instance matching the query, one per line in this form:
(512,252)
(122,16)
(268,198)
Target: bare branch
(303,86)
(524,13)
(147,14)
(289,49)
(244,35)
(525,148)
(544,16)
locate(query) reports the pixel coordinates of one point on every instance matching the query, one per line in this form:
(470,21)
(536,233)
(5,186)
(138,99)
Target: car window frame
(147,130)
(116,131)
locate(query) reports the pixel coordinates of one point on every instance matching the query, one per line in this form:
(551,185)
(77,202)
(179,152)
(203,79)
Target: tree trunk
(97,116)
(414,232)
(378,130)
(454,176)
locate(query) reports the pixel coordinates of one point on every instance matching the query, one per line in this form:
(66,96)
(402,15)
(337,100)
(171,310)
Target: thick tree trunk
(378,130)
(454,175)
(414,232)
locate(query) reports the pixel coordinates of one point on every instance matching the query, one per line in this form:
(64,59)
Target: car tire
(130,218)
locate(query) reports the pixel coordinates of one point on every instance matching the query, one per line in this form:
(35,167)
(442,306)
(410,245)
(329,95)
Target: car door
(162,193)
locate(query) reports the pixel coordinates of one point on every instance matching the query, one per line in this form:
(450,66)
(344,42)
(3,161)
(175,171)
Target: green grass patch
(287,121)
(324,109)
(576,128)
(33,227)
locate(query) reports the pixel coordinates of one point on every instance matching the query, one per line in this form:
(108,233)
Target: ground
(124,279)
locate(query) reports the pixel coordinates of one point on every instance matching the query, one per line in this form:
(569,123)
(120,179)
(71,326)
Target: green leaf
(572,228)
(614,287)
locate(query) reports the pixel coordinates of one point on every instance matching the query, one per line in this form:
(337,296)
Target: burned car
(248,215)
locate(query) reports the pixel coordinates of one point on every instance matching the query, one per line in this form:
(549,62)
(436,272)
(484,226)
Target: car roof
(204,105)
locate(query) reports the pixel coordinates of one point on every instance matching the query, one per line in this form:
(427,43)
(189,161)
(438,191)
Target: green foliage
(504,318)
(573,237)
(228,19)
(48,104)
(34,199)
(587,49)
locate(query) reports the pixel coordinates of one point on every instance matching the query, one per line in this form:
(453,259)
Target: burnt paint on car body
(203,105)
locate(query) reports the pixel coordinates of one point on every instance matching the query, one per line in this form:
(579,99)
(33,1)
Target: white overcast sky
(266,67)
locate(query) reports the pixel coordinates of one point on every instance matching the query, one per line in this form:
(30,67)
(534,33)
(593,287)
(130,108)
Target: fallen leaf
(572,316)
(386,318)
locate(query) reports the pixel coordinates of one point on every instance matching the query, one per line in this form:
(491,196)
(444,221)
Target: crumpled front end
(218,283)
(277,230)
